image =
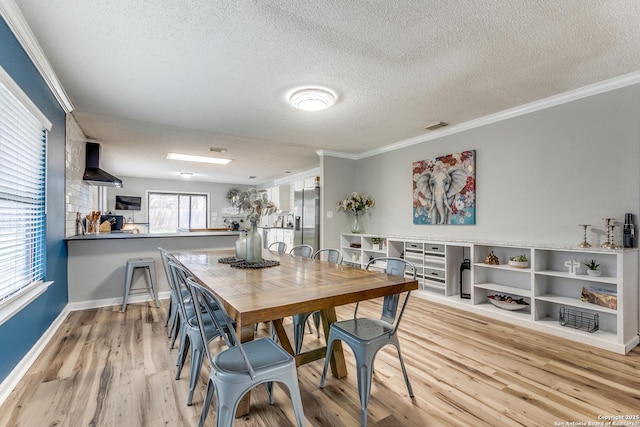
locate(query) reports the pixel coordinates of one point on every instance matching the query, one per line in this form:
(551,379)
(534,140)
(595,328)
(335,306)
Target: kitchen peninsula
(96,263)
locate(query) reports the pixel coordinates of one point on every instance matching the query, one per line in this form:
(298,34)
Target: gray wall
(140,186)
(538,175)
(337,177)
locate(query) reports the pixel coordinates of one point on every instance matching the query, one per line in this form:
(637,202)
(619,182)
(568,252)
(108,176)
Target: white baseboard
(12,380)
(108,302)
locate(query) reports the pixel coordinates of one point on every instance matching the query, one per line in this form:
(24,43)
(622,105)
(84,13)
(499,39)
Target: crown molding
(18,25)
(552,101)
(340,154)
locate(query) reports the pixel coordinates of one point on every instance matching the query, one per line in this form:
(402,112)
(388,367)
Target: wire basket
(579,320)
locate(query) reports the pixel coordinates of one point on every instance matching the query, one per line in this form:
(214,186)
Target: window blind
(22,196)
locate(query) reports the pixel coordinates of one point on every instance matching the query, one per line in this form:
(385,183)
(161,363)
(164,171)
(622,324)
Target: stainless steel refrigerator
(306,211)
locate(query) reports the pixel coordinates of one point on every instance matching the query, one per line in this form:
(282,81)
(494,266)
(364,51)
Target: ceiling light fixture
(201,159)
(312,98)
(186,174)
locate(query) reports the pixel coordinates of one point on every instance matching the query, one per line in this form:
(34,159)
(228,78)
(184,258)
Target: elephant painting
(438,186)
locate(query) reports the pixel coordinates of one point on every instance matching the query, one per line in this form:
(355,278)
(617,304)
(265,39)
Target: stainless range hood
(93,175)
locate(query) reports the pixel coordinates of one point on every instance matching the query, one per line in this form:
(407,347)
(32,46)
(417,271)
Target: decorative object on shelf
(506,302)
(584,243)
(465,266)
(579,319)
(573,266)
(609,244)
(600,296)
(356,257)
(254,204)
(356,204)
(629,232)
(355,245)
(491,259)
(376,243)
(519,261)
(592,268)
(444,189)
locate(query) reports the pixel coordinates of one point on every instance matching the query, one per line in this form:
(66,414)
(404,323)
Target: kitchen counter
(126,235)
(96,262)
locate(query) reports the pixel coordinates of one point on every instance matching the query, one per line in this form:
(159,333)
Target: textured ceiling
(151,76)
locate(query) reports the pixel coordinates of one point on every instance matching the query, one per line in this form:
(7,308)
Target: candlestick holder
(609,244)
(584,243)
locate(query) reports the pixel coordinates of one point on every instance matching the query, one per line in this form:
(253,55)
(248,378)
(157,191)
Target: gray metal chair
(300,320)
(173,314)
(242,366)
(302,250)
(367,336)
(192,332)
(281,247)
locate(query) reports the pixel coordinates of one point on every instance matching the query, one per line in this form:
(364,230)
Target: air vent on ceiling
(436,126)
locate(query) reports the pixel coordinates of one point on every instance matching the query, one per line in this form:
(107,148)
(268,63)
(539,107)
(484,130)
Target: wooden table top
(295,286)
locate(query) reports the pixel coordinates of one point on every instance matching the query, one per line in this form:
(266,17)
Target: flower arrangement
(254,203)
(356,203)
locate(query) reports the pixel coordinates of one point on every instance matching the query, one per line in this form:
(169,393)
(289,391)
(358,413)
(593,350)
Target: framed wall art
(444,189)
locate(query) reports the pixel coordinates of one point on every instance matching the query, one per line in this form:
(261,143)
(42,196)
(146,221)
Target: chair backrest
(179,276)
(331,255)
(165,263)
(209,303)
(302,250)
(281,247)
(394,267)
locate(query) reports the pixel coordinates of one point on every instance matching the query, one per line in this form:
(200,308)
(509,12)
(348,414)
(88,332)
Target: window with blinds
(22,194)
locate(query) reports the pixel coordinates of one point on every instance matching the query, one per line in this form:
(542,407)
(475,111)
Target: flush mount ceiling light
(186,174)
(312,99)
(201,159)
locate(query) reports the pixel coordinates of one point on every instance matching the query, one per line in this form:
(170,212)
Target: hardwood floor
(105,368)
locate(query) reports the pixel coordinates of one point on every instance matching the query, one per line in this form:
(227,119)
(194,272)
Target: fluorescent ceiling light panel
(201,159)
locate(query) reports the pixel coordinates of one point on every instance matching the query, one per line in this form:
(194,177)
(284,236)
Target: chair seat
(364,329)
(262,353)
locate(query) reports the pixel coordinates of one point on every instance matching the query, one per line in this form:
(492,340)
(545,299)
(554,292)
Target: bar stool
(149,265)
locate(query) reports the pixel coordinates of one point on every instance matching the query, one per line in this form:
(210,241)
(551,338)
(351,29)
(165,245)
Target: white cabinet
(546,284)
(280,195)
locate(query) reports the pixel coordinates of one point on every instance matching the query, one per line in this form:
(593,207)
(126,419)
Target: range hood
(93,175)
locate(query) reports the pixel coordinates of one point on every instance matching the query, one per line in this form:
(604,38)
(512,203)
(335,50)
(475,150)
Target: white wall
(538,175)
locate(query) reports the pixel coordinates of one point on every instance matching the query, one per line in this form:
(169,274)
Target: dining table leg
(246,333)
(338,364)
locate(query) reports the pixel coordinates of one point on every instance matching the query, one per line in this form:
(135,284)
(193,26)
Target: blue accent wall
(23,330)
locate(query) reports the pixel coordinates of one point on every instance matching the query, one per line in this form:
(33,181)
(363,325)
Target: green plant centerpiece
(519,261)
(254,204)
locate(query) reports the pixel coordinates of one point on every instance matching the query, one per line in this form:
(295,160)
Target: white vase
(594,273)
(254,244)
(241,246)
(356,225)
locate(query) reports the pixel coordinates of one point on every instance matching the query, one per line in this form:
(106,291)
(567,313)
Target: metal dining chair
(302,250)
(173,314)
(300,320)
(193,334)
(366,336)
(281,247)
(241,367)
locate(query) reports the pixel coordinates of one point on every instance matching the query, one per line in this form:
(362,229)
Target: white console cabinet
(546,284)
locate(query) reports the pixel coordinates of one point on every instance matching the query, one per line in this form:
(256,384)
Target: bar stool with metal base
(149,265)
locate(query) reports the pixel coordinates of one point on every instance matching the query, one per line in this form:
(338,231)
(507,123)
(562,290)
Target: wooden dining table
(297,285)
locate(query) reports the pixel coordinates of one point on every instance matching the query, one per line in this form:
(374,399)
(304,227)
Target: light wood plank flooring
(105,368)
